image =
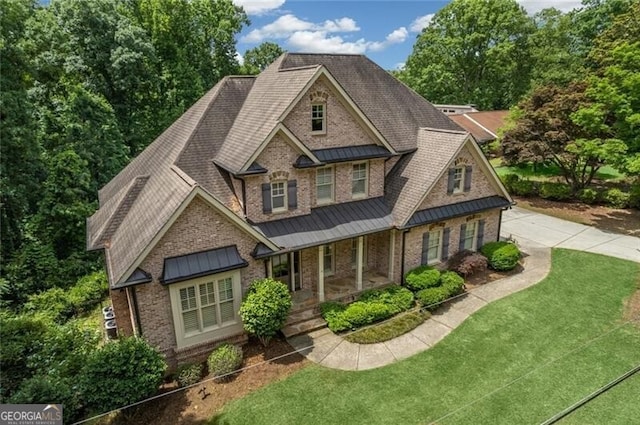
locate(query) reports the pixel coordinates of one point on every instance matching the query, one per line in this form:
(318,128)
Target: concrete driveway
(530,229)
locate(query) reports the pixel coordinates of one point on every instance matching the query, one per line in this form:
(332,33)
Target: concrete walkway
(535,233)
(330,350)
(535,229)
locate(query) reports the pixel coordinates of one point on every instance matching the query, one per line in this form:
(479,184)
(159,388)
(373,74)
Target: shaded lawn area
(543,173)
(574,317)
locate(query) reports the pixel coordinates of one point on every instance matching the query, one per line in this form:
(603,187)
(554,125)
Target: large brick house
(324,172)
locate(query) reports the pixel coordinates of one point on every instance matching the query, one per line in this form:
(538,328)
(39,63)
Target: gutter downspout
(136,310)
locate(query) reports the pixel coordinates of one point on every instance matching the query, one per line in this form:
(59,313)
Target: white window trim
(438,258)
(332,271)
(212,333)
(285,197)
(364,252)
(474,240)
(324,201)
(366,181)
(324,118)
(462,176)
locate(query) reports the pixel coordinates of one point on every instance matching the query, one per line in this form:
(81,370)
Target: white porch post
(321,273)
(359,265)
(392,253)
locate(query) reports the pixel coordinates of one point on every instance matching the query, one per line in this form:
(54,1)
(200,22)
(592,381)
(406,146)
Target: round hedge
(224,360)
(422,277)
(502,256)
(265,308)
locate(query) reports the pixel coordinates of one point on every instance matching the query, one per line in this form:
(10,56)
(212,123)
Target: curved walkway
(326,348)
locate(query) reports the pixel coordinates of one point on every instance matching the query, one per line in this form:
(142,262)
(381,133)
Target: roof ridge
(300,68)
(442,130)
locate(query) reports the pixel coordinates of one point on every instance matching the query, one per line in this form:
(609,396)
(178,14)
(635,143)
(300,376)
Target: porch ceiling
(329,223)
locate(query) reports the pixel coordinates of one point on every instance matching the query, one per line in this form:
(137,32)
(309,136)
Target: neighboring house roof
(417,172)
(483,125)
(329,223)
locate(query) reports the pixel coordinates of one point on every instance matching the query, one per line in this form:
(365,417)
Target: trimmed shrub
(588,196)
(189,374)
(502,256)
(616,198)
(45,390)
(509,180)
(362,313)
(524,187)
(431,298)
(120,373)
(422,277)
(224,360)
(555,191)
(466,263)
(634,195)
(452,282)
(265,308)
(331,307)
(395,297)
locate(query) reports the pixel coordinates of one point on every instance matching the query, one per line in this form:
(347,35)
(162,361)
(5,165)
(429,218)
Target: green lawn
(542,173)
(559,341)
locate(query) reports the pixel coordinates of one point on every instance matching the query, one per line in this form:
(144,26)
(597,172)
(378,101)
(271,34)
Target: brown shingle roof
(415,173)
(482,125)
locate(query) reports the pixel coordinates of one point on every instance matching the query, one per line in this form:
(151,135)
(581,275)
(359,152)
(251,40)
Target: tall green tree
(547,130)
(260,57)
(21,168)
(473,51)
(614,86)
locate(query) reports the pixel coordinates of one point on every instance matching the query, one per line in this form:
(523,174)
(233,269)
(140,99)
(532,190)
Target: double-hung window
(329,260)
(458,180)
(354,251)
(318,121)
(359,180)
(469,236)
(324,185)
(434,248)
(279,196)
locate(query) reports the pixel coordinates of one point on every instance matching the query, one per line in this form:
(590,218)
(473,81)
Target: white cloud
(288,24)
(420,22)
(395,37)
(258,7)
(318,42)
(533,6)
(399,66)
(240,58)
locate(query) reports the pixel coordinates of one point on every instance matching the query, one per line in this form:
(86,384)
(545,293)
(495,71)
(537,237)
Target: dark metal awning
(344,154)
(138,277)
(328,224)
(459,209)
(203,263)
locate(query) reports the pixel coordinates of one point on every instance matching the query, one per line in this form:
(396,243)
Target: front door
(286,269)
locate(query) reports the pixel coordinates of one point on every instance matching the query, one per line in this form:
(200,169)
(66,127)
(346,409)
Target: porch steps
(303,321)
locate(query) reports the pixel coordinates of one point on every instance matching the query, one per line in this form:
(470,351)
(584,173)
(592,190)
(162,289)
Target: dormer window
(318,118)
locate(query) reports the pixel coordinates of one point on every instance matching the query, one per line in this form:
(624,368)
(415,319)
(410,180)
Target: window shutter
(463,229)
(292,194)
(266,198)
(425,248)
(452,173)
(445,243)
(480,234)
(467,178)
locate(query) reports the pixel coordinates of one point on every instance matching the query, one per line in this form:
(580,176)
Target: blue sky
(383,30)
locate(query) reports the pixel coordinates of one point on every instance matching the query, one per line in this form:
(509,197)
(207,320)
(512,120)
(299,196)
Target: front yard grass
(518,360)
(547,172)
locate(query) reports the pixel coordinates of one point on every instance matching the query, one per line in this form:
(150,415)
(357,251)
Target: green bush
(430,298)
(395,297)
(524,187)
(555,191)
(189,374)
(588,196)
(502,256)
(362,313)
(265,308)
(616,198)
(44,389)
(509,180)
(224,360)
(422,277)
(634,195)
(452,282)
(88,292)
(120,373)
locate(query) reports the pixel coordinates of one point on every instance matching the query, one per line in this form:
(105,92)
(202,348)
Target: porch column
(321,273)
(359,265)
(392,253)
